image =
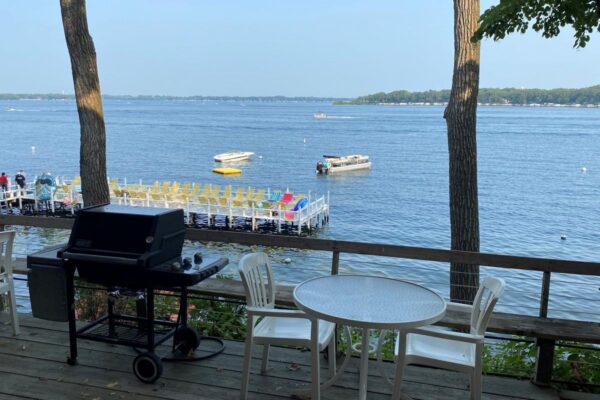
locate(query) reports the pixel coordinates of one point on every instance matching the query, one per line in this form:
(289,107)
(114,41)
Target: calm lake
(539,178)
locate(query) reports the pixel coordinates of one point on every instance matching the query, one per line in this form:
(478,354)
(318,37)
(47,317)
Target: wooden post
(544,361)
(335,262)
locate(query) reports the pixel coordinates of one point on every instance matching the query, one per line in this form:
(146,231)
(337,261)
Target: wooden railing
(545,330)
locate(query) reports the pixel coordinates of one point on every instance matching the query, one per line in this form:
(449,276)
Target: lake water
(532,189)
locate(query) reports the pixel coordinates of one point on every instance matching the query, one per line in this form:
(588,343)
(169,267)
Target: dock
(210,206)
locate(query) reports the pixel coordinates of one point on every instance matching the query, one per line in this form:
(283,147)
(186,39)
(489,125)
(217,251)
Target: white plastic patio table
(369,302)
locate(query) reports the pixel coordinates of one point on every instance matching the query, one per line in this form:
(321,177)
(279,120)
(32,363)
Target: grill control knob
(197,258)
(149,239)
(175,266)
(187,263)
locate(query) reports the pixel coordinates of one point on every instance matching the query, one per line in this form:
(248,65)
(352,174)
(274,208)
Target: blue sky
(342,48)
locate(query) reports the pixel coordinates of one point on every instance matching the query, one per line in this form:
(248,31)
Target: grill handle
(96,258)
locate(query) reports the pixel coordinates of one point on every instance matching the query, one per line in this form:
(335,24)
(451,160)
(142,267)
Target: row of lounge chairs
(208,194)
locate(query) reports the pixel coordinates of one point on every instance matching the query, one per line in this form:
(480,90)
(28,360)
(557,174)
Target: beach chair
(275,196)
(175,187)
(286,198)
(239,194)
(206,190)
(227,191)
(215,190)
(259,195)
(293,203)
(186,187)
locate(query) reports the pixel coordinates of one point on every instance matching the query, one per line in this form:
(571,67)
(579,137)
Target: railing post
(544,361)
(335,263)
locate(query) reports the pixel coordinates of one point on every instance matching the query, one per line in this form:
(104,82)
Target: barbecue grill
(131,251)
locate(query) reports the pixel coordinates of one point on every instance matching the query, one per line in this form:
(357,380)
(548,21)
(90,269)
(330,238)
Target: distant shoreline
(56,96)
(426,104)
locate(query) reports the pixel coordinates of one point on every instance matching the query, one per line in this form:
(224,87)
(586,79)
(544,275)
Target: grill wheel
(147,367)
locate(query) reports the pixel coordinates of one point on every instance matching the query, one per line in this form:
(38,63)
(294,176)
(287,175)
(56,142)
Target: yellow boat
(227,171)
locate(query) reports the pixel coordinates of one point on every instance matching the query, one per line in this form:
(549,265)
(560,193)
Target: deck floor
(33,366)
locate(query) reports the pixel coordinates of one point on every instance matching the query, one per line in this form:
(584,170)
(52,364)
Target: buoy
(287,260)
(304,140)
(259,156)
(563,237)
(32,149)
(583,170)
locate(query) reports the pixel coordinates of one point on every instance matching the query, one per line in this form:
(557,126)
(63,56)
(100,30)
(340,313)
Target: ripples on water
(531,187)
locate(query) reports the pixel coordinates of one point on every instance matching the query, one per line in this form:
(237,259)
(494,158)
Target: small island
(584,97)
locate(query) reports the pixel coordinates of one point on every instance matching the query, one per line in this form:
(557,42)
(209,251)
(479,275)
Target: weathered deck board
(33,366)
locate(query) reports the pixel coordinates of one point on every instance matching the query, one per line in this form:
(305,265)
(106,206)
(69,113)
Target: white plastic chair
(7,286)
(455,351)
(269,326)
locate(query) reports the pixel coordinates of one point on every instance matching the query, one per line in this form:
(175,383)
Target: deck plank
(41,350)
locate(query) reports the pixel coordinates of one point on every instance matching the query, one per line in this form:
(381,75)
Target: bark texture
(461,118)
(92,156)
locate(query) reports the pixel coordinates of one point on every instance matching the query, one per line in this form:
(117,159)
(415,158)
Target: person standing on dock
(3,182)
(20,179)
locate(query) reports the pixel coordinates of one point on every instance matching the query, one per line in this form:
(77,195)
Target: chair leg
(247,359)
(399,366)
(476,386)
(315,365)
(265,359)
(315,376)
(14,317)
(332,354)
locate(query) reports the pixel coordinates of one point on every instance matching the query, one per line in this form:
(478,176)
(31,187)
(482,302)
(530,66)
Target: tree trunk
(461,118)
(92,155)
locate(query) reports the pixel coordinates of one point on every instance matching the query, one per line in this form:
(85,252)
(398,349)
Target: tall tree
(92,154)
(548,17)
(461,119)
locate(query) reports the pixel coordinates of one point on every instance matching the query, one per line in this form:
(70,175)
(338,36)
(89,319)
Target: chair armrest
(275,312)
(463,337)
(467,308)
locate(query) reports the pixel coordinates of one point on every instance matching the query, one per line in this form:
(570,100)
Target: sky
(327,48)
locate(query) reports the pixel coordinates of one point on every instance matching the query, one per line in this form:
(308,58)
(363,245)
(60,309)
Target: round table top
(369,301)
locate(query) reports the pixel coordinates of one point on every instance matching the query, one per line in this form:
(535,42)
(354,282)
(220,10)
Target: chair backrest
(257,276)
(7,239)
(488,294)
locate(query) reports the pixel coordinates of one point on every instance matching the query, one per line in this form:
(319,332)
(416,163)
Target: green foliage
(575,368)
(590,95)
(213,317)
(510,358)
(545,16)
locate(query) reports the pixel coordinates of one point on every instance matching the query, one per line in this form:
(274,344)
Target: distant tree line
(57,96)
(590,95)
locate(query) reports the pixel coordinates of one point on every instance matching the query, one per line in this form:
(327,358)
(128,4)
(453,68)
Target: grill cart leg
(150,317)
(72,360)
(111,315)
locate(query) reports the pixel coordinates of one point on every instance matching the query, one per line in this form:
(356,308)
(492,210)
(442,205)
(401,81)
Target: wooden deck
(33,366)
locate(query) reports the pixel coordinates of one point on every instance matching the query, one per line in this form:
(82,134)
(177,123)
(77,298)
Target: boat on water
(319,115)
(233,156)
(336,164)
